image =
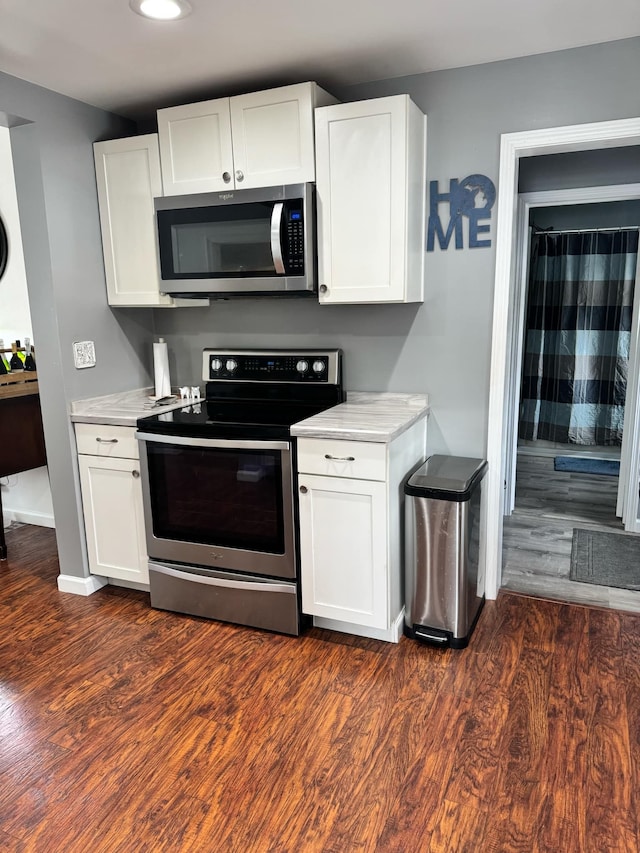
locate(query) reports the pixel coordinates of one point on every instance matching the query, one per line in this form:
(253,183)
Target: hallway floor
(536,551)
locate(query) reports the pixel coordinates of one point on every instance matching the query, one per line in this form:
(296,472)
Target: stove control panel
(305,366)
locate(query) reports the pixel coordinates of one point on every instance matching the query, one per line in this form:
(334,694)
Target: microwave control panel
(294,224)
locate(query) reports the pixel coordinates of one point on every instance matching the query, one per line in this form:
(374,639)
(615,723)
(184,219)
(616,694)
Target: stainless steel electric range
(218,487)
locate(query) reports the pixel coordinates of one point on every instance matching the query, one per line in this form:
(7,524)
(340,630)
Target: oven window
(214,496)
(215,242)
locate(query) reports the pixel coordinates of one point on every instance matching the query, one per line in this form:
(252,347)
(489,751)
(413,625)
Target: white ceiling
(100,52)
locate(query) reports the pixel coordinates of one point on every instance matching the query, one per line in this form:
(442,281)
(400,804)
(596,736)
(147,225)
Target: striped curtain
(578,329)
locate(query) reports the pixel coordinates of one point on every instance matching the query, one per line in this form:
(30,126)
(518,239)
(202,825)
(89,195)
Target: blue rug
(587,466)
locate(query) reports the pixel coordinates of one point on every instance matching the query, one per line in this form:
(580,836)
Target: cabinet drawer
(359,460)
(106,440)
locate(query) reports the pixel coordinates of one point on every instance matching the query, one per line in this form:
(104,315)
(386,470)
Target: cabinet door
(128,179)
(362,175)
(113,518)
(195,147)
(273,136)
(343,543)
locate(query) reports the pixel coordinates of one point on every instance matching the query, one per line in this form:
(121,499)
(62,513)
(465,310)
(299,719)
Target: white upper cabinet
(371,196)
(195,144)
(260,139)
(128,179)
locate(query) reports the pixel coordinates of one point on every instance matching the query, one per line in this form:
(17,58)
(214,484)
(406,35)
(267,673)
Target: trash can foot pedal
(430,636)
(439,637)
(435,636)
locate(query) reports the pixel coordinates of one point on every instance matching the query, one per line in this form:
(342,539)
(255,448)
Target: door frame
(513,146)
(526,203)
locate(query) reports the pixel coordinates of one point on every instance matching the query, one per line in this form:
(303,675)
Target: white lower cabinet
(112,502)
(351,531)
(343,525)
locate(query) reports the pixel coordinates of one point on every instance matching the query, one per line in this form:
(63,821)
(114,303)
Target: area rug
(586,466)
(606,559)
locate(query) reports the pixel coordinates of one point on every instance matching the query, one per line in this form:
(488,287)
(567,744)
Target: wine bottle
(4,363)
(16,361)
(21,351)
(29,361)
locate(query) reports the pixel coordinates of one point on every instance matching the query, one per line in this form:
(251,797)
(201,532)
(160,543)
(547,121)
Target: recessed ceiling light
(161,10)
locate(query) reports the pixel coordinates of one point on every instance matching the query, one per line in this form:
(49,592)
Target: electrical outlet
(84,354)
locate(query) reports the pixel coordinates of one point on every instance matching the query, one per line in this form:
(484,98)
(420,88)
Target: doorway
(573,355)
(26,495)
(514,146)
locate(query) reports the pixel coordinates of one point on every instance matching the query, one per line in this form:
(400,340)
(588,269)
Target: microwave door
(276,241)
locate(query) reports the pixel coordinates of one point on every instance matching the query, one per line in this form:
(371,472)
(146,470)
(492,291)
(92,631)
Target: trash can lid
(449,478)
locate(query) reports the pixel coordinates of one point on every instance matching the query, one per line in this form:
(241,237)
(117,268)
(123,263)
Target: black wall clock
(4,248)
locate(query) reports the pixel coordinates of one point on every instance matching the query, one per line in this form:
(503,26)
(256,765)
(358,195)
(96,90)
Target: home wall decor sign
(472,197)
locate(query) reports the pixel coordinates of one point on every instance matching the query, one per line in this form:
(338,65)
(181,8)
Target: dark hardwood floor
(127,729)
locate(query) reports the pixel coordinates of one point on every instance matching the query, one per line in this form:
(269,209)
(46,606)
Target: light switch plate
(84,354)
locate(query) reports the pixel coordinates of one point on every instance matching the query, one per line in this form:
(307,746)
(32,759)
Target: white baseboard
(390,635)
(25,517)
(81,586)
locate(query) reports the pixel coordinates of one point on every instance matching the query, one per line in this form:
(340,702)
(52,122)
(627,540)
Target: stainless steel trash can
(442,520)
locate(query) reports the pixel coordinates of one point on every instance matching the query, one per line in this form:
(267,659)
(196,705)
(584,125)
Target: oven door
(221,503)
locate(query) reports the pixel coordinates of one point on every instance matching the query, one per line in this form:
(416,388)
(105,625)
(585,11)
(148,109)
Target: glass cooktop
(231,419)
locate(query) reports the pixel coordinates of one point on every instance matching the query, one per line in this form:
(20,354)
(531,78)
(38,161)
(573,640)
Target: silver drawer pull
(107,440)
(340,458)
(136,474)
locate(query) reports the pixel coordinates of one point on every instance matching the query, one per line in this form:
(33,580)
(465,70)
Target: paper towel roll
(161,369)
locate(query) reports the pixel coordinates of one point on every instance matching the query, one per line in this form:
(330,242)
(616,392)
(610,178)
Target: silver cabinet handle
(323,288)
(340,458)
(239,175)
(226,177)
(106,440)
(303,490)
(136,474)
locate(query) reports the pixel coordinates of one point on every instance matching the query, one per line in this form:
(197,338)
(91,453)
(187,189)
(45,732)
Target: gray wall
(51,139)
(443,346)
(580,169)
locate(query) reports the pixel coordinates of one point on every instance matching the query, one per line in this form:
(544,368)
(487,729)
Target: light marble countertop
(366,416)
(122,409)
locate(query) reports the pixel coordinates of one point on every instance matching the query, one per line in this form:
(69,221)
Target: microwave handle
(276,245)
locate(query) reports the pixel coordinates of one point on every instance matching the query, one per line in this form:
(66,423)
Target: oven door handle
(227,444)
(259,586)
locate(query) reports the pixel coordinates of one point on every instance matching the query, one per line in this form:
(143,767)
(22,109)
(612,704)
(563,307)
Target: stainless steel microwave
(249,242)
